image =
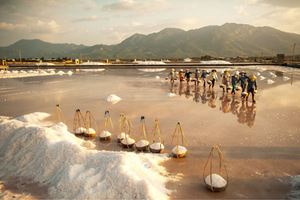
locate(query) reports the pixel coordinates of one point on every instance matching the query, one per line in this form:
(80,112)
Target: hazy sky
(110,21)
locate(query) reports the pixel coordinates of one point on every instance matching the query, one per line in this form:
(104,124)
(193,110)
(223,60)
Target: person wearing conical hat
(181,75)
(234,81)
(197,77)
(213,78)
(204,75)
(172,75)
(251,87)
(225,79)
(243,80)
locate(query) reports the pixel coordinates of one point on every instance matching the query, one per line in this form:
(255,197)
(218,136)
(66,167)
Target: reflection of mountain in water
(244,111)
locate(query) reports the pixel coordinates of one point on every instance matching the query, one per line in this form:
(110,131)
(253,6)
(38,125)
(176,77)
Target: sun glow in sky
(92,22)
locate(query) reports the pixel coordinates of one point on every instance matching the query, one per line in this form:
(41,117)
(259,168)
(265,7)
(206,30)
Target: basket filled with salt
(143,143)
(78,123)
(179,151)
(108,125)
(215,178)
(157,146)
(122,122)
(90,122)
(128,142)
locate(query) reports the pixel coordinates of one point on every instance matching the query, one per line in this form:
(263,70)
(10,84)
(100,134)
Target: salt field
(43,158)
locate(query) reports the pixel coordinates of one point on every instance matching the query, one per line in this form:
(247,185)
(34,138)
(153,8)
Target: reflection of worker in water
(197,94)
(180,92)
(250,114)
(212,99)
(203,96)
(225,103)
(188,91)
(172,88)
(242,113)
(234,106)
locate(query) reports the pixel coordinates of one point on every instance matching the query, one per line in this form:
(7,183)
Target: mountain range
(227,40)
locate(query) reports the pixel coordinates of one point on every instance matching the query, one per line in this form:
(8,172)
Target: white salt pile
(91,70)
(258,74)
(60,73)
(273,75)
(23,73)
(285,78)
(295,191)
(142,144)
(105,134)
(207,62)
(70,73)
(153,70)
(179,150)
(127,141)
(80,130)
(156,147)
(157,77)
(171,94)
(113,99)
(262,78)
(270,81)
(217,181)
(54,157)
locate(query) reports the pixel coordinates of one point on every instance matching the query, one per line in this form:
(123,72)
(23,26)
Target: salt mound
(270,81)
(171,94)
(113,99)
(157,77)
(70,73)
(262,78)
(153,70)
(91,70)
(273,75)
(207,62)
(105,134)
(52,156)
(217,181)
(295,192)
(60,73)
(179,150)
(285,78)
(127,140)
(142,143)
(80,130)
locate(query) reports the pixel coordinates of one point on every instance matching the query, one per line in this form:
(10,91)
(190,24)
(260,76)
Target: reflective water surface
(260,142)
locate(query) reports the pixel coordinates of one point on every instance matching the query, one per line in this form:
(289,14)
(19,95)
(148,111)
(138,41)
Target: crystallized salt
(171,94)
(105,134)
(128,141)
(262,78)
(157,77)
(179,150)
(157,146)
(270,81)
(55,158)
(70,73)
(60,73)
(80,130)
(90,131)
(113,99)
(285,78)
(142,143)
(217,181)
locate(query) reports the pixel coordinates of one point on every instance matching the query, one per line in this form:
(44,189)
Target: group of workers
(229,82)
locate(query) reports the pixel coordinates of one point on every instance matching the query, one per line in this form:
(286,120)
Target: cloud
(10,27)
(282,3)
(87,19)
(129,5)
(45,27)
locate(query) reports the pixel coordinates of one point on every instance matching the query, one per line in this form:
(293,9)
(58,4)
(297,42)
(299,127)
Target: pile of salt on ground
(295,192)
(52,156)
(113,99)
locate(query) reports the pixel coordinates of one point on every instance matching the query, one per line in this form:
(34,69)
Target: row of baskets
(215,180)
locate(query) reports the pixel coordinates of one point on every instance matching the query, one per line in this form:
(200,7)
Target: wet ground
(260,142)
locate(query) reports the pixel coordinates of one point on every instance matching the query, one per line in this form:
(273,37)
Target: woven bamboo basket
(108,125)
(78,123)
(179,151)
(157,145)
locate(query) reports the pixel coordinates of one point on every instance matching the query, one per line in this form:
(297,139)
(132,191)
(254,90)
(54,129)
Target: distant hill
(227,40)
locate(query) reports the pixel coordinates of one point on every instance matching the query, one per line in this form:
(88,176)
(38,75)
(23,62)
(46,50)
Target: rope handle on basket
(107,120)
(177,133)
(78,118)
(156,129)
(60,114)
(221,163)
(143,127)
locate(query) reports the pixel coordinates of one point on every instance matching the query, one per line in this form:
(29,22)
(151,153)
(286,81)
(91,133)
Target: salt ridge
(52,156)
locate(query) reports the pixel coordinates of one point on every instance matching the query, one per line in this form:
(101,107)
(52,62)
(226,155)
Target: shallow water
(260,142)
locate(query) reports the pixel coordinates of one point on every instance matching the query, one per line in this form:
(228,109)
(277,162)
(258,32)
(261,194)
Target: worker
(251,87)
(204,75)
(225,80)
(197,76)
(243,80)
(187,75)
(234,81)
(213,78)
(181,75)
(172,75)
